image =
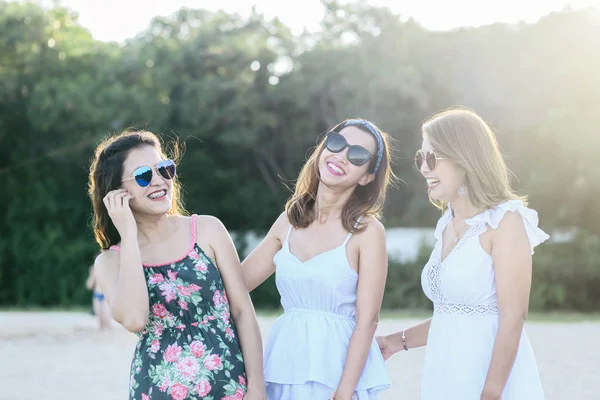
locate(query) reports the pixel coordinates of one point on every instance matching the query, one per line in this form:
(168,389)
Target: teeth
(157,194)
(432,181)
(335,168)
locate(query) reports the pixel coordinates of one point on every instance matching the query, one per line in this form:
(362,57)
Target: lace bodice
(463,283)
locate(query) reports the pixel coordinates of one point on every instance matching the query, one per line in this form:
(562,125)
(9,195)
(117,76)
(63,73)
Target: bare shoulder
(374,229)
(371,239)
(280,226)
(208,222)
(371,244)
(211,227)
(106,259)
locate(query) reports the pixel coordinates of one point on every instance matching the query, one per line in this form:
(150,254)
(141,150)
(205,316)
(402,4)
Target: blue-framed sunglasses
(143,175)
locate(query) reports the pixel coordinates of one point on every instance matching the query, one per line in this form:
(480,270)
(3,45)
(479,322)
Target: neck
(462,208)
(153,229)
(330,203)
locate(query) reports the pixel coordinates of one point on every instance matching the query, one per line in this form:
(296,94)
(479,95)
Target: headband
(363,123)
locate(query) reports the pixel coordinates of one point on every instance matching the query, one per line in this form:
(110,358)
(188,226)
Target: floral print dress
(189,348)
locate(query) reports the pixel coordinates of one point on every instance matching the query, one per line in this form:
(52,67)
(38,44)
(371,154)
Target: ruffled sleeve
(493,216)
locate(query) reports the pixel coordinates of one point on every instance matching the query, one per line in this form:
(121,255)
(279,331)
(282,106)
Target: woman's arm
(120,275)
(259,265)
(372,269)
(511,254)
(242,311)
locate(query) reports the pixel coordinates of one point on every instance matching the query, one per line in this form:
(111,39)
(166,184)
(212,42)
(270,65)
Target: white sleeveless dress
(465,320)
(306,348)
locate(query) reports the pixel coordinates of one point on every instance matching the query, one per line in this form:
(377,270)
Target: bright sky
(122,19)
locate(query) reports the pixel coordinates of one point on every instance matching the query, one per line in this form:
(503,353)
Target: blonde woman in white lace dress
(479,273)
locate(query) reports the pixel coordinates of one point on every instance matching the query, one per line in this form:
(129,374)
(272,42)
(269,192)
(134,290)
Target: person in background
(99,305)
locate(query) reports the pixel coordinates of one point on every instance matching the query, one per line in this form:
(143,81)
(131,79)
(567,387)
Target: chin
(335,182)
(326,177)
(157,208)
(165,208)
(330,183)
(438,195)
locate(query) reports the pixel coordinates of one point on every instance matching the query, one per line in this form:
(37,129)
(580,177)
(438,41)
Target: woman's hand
(117,205)
(255,395)
(385,346)
(335,396)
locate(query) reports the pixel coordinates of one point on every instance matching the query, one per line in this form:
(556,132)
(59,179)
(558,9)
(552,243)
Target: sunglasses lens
(431,160)
(335,142)
(166,169)
(419,160)
(143,176)
(358,155)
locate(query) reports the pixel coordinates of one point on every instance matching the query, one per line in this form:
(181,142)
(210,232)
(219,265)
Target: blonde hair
(367,200)
(463,137)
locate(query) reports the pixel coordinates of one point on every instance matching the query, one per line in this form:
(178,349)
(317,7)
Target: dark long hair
(106,172)
(366,200)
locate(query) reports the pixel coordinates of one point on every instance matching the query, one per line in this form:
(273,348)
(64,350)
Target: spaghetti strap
(350,234)
(193,233)
(288,234)
(115,247)
(357,222)
(347,238)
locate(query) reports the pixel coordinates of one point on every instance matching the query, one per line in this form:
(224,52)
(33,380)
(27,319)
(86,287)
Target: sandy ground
(52,356)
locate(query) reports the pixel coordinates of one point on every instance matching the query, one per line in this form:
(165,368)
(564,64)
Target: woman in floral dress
(174,280)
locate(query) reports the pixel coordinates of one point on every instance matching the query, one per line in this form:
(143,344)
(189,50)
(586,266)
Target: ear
(366,179)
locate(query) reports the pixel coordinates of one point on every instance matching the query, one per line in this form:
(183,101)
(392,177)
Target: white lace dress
(465,321)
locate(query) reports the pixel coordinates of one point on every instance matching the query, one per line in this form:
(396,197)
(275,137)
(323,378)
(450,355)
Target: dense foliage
(249,99)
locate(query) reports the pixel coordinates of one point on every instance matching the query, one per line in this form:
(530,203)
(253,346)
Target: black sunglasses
(357,155)
(427,156)
(143,175)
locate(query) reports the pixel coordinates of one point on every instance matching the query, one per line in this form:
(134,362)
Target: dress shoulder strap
(193,230)
(350,234)
(288,233)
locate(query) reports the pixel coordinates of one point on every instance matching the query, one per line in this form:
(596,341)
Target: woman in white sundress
(331,267)
(479,273)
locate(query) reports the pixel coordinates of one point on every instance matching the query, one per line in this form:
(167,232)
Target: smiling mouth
(335,168)
(157,195)
(432,182)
